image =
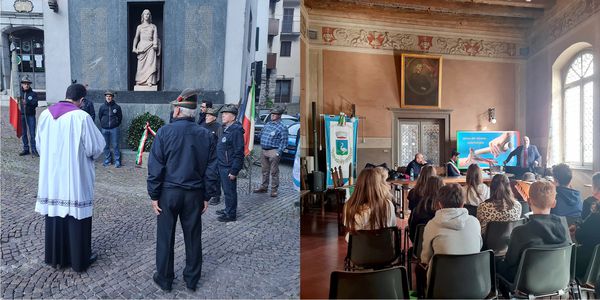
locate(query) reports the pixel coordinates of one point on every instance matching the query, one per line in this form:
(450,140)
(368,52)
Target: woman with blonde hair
(501,206)
(416,194)
(370,207)
(475,191)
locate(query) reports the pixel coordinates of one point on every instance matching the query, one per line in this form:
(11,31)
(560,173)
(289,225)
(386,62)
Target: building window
(257,39)
(288,20)
(286,49)
(577,117)
(283,90)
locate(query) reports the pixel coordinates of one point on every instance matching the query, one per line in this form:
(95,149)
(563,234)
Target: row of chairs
(379,250)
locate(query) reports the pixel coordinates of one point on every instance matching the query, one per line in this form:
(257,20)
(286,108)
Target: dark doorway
(134,13)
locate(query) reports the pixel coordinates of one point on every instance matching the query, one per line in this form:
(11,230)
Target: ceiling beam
(451,8)
(426,18)
(540,4)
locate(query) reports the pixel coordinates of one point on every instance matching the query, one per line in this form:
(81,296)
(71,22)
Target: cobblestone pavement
(255,257)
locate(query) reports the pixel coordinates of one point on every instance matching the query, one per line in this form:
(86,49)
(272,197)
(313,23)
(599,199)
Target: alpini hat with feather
(188,99)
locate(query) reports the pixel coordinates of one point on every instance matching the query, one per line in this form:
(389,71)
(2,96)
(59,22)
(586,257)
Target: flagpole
(252,136)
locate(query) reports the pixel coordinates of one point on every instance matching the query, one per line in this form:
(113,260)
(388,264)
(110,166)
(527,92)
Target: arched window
(578,110)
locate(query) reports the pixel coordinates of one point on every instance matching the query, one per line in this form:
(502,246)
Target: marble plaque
(199,49)
(94,47)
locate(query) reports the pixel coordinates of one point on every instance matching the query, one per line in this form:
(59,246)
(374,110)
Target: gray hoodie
(451,231)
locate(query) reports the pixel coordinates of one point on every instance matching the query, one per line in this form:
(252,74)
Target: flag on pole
(14,107)
(248,121)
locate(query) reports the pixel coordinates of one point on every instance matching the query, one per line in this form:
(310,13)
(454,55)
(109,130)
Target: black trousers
(187,205)
(68,242)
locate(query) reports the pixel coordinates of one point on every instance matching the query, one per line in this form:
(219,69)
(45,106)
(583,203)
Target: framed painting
(421,81)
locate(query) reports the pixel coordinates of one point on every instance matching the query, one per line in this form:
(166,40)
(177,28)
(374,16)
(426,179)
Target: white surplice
(67,147)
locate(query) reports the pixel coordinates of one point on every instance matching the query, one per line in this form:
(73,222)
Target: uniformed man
(177,184)
(273,140)
(215,127)
(29,102)
(230,153)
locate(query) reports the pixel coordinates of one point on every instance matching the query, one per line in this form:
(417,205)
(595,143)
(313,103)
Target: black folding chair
(497,235)
(373,249)
(389,283)
(468,276)
(542,272)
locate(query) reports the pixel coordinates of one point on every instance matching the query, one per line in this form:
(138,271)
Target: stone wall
(193,39)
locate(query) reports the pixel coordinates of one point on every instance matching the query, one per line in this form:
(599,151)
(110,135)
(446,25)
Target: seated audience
(568,200)
(370,207)
(588,236)
(475,191)
(592,202)
(452,165)
(452,230)
(416,193)
(416,164)
(426,208)
(542,230)
(501,206)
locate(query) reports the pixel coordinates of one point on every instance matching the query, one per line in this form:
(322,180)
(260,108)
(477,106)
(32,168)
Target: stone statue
(147,47)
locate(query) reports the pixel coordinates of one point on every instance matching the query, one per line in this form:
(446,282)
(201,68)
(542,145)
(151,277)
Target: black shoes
(24,152)
(35,153)
(214,200)
(225,219)
(273,194)
(166,288)
(220,212)
(93,258)
(190,287)
(260,190)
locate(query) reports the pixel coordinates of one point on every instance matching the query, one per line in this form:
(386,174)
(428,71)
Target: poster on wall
(340,145)
(486,148)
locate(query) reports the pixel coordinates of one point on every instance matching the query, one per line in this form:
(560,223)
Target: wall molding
(359,37)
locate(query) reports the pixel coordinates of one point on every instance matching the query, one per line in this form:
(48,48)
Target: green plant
(269,103)
(137,127)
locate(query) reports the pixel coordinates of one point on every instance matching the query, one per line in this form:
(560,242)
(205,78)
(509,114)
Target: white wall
(262,21)
(238,59)
(38,5)
(288,67)
(56,46)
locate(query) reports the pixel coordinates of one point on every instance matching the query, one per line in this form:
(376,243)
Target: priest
(68,141)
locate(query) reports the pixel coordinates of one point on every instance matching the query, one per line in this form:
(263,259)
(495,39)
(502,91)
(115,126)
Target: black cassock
(68,242)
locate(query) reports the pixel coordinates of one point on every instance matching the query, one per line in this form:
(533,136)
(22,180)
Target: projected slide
(486,148)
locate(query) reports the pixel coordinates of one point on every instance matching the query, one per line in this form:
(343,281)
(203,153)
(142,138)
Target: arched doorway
(28,42)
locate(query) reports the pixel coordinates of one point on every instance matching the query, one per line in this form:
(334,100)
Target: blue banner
(340,145)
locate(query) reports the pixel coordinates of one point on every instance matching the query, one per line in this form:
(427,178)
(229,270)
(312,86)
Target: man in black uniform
(29,102)
(215,127)
(177,184)
(230,153)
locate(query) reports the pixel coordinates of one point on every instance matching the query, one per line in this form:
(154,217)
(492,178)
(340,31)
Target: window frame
(277,98)
(289,49)
(564,87)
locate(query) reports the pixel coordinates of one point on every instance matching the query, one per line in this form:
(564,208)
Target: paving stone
(255,257)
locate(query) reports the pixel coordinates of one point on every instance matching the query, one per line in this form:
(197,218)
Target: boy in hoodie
(542,230)
(452,230)
(568,200)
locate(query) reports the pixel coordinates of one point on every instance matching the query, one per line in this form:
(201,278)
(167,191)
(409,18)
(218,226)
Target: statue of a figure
(147,47)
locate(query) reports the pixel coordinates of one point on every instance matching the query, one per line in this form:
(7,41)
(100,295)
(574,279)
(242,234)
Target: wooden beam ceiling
(505,17)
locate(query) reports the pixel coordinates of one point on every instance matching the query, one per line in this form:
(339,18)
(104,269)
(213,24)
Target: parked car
(289,152)
(263,119)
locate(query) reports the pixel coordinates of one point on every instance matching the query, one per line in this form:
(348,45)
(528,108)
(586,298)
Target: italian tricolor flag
(248,121)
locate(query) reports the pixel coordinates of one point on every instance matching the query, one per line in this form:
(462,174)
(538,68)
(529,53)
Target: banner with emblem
(340,145)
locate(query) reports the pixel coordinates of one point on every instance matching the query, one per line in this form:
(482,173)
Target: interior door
(419,136)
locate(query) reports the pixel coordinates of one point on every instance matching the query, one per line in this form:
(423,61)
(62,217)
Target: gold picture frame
(421,81)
